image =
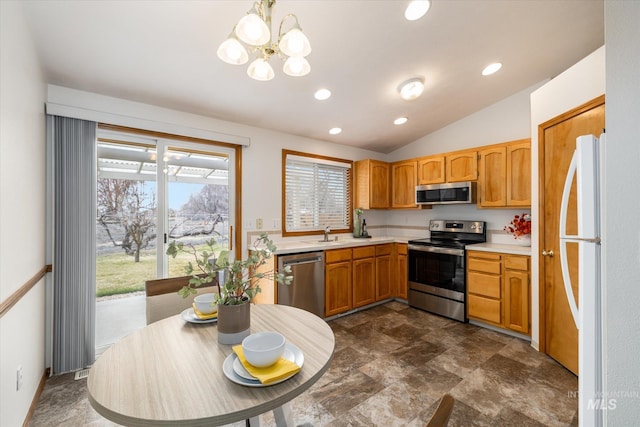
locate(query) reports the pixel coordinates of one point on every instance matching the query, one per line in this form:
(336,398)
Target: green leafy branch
(240,277)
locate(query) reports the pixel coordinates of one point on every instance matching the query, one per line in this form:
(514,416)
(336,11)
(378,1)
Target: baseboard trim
(36,398)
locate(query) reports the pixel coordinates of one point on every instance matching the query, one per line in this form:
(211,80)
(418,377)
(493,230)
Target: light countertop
(501,247)
(313,243)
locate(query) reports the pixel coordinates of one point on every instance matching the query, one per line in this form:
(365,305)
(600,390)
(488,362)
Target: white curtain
(74,262)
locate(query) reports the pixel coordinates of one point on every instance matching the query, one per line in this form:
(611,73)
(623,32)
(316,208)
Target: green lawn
(118,274)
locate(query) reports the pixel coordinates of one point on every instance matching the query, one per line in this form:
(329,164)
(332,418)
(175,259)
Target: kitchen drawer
(484,284)
(383,249)
(516,262)
(364,252)
(484,255)
(484,265)
(337,255)
(485,309)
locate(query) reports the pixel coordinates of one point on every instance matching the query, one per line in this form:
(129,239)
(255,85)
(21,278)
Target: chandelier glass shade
(254,30)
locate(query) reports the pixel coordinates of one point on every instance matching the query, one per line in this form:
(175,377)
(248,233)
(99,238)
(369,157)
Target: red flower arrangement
(520,225)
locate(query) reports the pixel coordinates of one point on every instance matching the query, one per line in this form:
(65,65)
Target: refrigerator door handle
(564,239)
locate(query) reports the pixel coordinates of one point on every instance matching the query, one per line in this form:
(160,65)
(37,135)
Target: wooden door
(557,144)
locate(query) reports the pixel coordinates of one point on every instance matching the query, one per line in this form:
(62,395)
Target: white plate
(239,368)
(291,352)
(190,316)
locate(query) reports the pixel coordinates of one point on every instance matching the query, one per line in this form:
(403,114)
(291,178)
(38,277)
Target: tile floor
(392,363)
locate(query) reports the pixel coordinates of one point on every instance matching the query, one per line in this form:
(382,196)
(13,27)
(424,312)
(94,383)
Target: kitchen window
(317,193)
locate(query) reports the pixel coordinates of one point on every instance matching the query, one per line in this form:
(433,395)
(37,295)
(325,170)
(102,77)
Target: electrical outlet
(276,223)
(248,224)
(259,224)
(19,378)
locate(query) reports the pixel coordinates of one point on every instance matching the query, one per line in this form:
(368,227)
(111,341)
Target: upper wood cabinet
(505,175)
(519,174)
(403,184)
(372,184)
(492,191)
(431,170)
(462,166)
(451,167)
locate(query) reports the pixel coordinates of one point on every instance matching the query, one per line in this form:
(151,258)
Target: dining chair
(163,301)
(440,417)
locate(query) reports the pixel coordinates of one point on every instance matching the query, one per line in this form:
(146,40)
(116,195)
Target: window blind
(317,194)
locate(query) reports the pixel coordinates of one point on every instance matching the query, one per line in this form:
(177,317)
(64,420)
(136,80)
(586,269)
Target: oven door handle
(436,249)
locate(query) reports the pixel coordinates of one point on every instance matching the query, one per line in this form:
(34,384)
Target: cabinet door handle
(547,253)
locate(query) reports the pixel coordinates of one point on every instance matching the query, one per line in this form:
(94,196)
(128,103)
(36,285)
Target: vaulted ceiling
(164,53)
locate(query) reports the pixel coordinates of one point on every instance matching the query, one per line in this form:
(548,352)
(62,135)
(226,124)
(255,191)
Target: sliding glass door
(198,205)
(152,191)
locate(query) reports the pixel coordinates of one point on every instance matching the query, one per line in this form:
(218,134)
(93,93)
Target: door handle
(547,253)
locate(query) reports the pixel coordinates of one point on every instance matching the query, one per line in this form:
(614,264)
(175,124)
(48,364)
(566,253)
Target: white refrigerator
(585,165)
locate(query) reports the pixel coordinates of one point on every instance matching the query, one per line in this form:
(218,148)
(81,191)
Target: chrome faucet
(327,230)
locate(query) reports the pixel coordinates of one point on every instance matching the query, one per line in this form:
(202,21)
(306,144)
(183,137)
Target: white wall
(22,212)
(621,235)
(581,83)
(261,158)
(506,120)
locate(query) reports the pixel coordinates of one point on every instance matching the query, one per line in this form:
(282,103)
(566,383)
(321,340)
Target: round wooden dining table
(170,372)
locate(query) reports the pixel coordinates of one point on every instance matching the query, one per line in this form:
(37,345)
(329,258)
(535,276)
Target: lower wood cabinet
(355,277)
(384,283)
(516,293)
(364,276)
(401,270)
(498,290)
(337,282)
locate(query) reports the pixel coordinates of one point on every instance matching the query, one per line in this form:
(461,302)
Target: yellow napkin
(204,316)
(283,368)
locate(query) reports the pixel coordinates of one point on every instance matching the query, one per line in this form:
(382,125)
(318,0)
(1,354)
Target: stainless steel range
(437,273)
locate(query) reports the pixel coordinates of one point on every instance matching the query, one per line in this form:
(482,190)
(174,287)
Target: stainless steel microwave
(442,194)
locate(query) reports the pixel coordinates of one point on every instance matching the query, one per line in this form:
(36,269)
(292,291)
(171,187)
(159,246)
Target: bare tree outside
(126,212)
(205,211)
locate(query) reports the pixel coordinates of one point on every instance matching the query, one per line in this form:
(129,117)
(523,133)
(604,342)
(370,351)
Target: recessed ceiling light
(417,9)
(322,94)
(491,68)
(411,89)
(335,131)
(400,121)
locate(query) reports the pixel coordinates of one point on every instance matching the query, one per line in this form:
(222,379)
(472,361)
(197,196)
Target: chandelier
(254,29)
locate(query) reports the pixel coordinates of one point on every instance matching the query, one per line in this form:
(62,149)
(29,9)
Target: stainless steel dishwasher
(306,291)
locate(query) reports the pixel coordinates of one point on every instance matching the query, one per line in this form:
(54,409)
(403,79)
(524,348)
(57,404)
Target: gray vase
(234,323)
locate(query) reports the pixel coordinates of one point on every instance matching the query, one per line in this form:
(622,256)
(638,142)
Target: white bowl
(263,349)
(204,303)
